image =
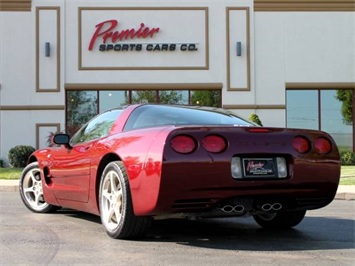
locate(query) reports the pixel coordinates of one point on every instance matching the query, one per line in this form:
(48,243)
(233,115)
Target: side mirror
(62,139)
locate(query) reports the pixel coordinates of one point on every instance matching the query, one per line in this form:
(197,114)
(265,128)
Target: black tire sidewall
(282,220)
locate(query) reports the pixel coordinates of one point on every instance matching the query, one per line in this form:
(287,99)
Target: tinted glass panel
(174,97)
(302,109)
(155,115)
(332,120)
(112,99)
(206,98)
(98,127)
(81,107)
(147,96)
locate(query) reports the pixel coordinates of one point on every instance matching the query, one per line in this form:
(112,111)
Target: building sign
(153,38)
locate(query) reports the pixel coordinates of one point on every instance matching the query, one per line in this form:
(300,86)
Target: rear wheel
(116,210)
(280,220)
(31,191)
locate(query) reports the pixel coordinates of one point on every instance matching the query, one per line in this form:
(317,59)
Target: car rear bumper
(196,187)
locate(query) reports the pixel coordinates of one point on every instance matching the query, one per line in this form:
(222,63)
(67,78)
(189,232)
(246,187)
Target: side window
(98,127)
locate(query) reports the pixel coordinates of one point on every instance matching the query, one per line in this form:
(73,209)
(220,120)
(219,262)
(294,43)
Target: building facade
(62,62)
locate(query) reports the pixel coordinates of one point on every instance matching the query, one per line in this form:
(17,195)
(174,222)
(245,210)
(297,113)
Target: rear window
(158,115)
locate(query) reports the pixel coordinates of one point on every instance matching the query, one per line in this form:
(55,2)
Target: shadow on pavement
(243,234)
(313,233)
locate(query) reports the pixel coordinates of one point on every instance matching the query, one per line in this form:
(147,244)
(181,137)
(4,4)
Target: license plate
(259,167)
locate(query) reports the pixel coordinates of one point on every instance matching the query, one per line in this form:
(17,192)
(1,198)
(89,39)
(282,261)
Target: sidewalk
(343,193)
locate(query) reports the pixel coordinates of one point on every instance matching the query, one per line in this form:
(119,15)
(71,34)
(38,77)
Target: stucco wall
(284,47)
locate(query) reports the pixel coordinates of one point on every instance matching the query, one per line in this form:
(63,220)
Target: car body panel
(310,176)
(163,181)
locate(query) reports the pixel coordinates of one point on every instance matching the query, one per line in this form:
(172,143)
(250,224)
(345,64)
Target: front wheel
(31,191)
(279,220)
(116,210)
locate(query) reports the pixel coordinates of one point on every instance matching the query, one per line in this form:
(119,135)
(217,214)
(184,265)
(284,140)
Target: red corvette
(143,162)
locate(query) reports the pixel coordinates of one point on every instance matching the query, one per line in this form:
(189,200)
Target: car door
(70,169)
(70,172)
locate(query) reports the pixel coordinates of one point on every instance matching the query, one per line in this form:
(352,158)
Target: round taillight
(322,146)
(183,144)
(301,144)
(214,143)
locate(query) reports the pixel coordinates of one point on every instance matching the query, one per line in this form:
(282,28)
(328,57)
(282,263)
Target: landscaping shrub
(18,155)
(255,118)
(347,157)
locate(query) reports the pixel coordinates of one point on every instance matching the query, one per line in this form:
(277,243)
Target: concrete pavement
(343,193)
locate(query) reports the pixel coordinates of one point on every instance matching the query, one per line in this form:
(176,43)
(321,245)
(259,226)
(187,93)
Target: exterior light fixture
(47,49)
(239,49)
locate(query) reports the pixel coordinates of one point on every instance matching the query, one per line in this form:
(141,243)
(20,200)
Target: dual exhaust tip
(231,208)
(271,207)
(240,208)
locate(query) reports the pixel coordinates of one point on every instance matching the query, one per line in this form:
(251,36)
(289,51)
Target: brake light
(214,143)
(258,130)
(322,146)
(301,144)
(183,144)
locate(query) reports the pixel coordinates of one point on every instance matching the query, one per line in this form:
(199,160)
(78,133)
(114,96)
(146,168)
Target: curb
(343,193)
(9,185)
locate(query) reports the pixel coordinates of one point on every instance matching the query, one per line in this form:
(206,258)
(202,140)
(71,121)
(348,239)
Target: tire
(31,192)
(280,220)
(116,210)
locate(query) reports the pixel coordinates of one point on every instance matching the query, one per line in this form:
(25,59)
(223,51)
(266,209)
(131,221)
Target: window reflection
(173,97)
(144,96)
(319,109)
(83,105)
(98,127)
(206,98)
(302,109)
(112,99)
(332,120)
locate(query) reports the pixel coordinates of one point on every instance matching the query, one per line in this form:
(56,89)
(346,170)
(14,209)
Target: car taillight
(214,143)
(183,144)
(301,144)
(322,146)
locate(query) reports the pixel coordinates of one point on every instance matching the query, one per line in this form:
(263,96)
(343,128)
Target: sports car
(138,163)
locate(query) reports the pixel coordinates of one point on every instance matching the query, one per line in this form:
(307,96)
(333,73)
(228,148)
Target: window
(320,109)
(82,105)
(302,109)
(112,99)
(158,115)
(97,128)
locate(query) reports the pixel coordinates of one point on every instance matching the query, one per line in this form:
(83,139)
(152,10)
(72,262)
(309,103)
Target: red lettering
(139,32)
(125,34)
(99,33)
(105,30)
(152,31)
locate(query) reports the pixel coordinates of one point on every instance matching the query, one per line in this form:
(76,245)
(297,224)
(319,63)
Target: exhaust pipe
(277,206)
(271,207)
(230,208)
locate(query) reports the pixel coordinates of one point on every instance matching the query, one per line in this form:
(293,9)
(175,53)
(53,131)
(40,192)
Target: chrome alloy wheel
(111,200)
(33,191)
(116,208)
